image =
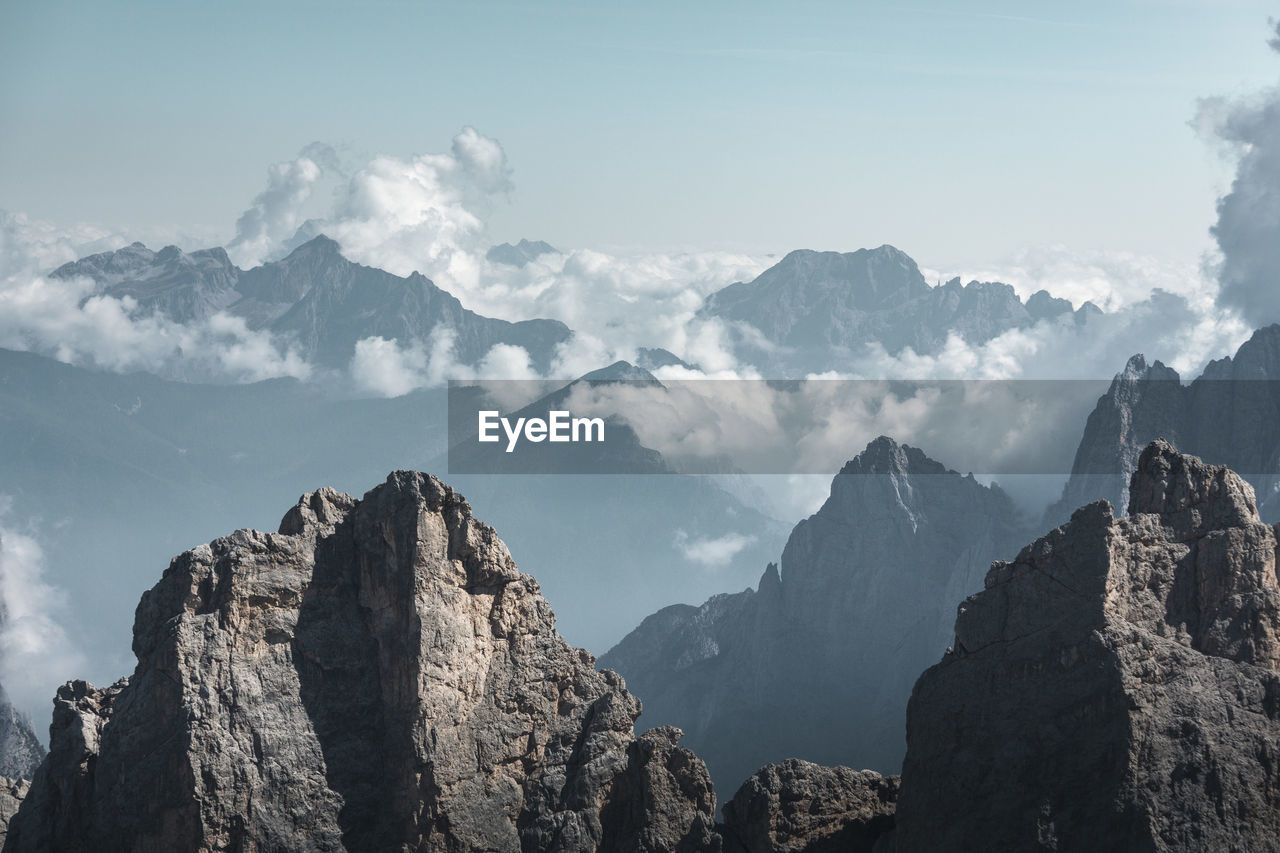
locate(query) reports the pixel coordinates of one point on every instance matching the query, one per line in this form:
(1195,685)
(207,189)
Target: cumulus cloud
(427,212)
(36,654)
(276,212)
(618,303)
(1248,226)
(712,553)
(402,214)
(387,368)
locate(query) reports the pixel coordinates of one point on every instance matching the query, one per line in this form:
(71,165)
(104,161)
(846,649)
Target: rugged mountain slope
(1115,687)
(816,306)
(181,286)
(818,661)
(20,749)
(376,675)
(318,298)
(1227,416)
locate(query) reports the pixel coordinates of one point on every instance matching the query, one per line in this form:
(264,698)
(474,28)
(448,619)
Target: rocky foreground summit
(376,676)
(1115,687)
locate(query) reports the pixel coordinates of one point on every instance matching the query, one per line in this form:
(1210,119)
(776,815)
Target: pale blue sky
(958,131)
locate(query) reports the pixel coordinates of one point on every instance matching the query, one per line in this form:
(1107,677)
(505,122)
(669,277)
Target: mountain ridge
(811,304)
(314,297)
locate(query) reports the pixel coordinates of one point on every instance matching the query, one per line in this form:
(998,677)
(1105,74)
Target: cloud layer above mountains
(427,213)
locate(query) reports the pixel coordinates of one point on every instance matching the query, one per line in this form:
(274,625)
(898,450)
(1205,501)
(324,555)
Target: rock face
(322,301)
(20,749)
(818,305)
(376,676)
(1226,416)
(798,807)
(1113,688)
(818,661)
(12,792)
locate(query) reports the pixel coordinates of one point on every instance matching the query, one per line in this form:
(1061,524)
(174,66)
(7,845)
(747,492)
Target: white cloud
(1249,215)
(1169,312)
(389,369)
(36,654)
(402,214)
(712,553)
(385,368)
(277,211)
(504,361)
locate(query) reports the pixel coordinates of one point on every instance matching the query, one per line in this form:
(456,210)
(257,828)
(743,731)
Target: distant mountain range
(315,297)
(807,313)
(811,310)
(519,254)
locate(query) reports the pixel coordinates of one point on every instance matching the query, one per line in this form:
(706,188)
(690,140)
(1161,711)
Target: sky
(958,132)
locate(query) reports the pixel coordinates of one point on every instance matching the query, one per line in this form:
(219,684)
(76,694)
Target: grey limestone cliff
(1115,687)
(376,676)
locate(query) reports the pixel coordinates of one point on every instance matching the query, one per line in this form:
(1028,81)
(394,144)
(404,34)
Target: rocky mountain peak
(814,304)
(1112,688)
(1168,483)
(619,371)
(883,455)
(1259,357)
(1042,304)
(862,598)
(1137,369)
(378,675)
